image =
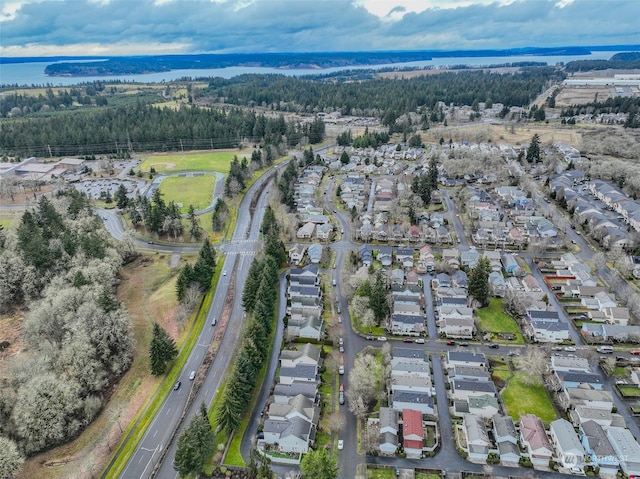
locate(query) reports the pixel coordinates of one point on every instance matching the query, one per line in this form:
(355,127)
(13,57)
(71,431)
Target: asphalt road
(239,255)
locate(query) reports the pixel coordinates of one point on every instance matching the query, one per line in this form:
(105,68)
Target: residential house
(497,284)
(461,389)
(388,440)
(572,379)
(323,231)
(412,433)
(427,258)
(464,358)
(404,256)
(296,253)
(297,406)
(366,255)
(315,253)
(485,406)
(569,363)
(587,395)
(413,280)
(603,417)
(506,438)
(305,326)
(569,451)
(478,443)
(598,449)
(422,402)
(533,438)
(306,231)
(469,373)
(300,372)
(407,324)
(469,258)
(282,393)
(307,354)
(627,450)
(385,256)
(291,435)
(459,279)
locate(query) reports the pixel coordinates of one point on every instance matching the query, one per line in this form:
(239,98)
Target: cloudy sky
(127,27)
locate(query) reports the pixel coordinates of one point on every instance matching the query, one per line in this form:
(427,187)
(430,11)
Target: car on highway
(224,273)
(340,444)
(214,321)
(635,352)
(192,376)
(177,385)
(382,338)
(420,340)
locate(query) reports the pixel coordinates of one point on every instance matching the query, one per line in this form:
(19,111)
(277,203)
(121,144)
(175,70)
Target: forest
(383,98)
(61,266)
(141,127)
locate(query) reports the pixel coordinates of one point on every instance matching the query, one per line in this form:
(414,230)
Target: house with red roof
(412,432)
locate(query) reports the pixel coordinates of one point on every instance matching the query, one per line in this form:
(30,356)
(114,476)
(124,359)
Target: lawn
(493,319)
(629,391)
(521,399)
(212,161)
(195,190)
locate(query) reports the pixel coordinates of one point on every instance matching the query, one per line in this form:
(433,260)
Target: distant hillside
(619,61)
(320,60)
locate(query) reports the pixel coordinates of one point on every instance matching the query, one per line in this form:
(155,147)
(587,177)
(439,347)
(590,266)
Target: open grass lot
(190,190)
(520,399)
(493,319)
(202,161)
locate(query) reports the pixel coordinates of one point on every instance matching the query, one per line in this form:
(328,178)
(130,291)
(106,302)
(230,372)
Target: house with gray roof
(465,358)
(306,354)
(282,393)
(297,406)
(415,400)
(587,395)
(315,253)
(478,442)
(461,389)
(569,451)
(305,326)
(626,448)
(469,373)
(293,435)
(301,372)
(598,449)
(388,422)
(572,379)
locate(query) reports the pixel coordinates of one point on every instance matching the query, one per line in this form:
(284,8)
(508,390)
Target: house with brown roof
(534,440)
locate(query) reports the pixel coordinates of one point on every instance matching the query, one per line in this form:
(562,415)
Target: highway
(159,440)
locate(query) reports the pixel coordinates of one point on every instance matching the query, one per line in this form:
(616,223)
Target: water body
(33,73)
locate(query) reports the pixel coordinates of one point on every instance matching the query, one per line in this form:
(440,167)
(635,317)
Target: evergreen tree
(122,200)
(319,464)
(533,152)
(185,278)
(251,285)
(195,228)
(378,301)
(161,351)
(344,157)
(432,174)
(194,445)
(479,281)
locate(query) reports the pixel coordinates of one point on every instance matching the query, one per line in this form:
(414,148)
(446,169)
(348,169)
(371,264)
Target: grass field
(520,399)
(629,391)
(493,319)
(195,190)
(209,161)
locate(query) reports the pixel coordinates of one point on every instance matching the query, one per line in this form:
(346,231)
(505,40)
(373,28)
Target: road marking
(168,411)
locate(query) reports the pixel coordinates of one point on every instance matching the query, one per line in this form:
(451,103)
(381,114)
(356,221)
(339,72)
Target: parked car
(340,444)
(341,348)
(370,338)
(451,342)
(464,344)
(570,349)
(341,394)
(407,340)
(382,338)
(494,345)
(635,352)
(420,340)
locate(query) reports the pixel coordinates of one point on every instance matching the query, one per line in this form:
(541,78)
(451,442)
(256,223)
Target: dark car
(407,340)
(464,343)
(177,385)
(494,345)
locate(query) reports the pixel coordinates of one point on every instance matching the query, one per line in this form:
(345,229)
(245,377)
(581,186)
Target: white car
(382,338)
(419,341)
(570,349)
(192,376)
(224,273)
(340,444)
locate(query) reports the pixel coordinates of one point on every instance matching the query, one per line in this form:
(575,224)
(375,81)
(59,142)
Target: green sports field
(194,190)
(212,161)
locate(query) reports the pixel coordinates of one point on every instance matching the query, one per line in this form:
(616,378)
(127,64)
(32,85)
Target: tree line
(618,104)
(379,97)
(62,266)
(142,127)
